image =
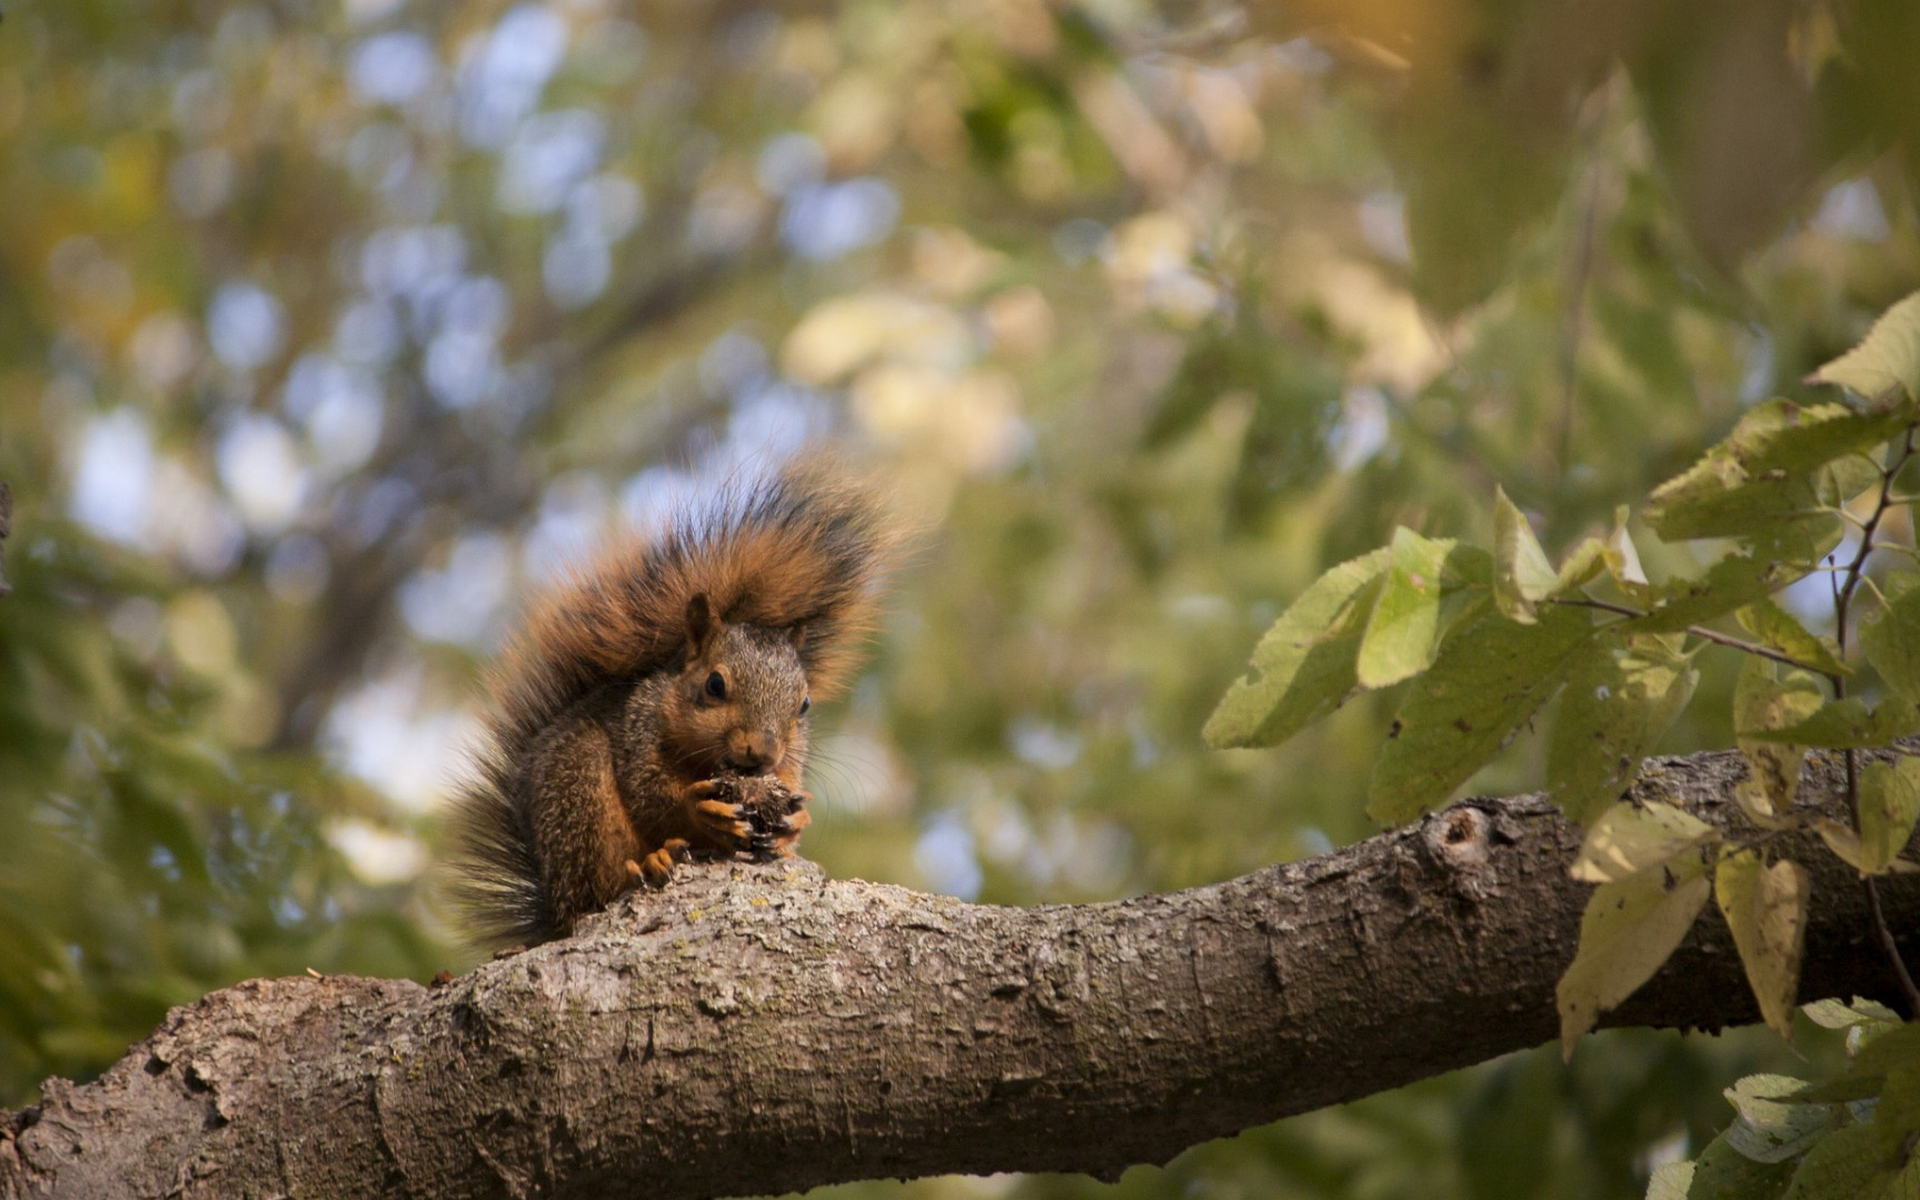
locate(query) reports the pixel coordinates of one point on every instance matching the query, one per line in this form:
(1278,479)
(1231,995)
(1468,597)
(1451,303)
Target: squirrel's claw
(657,868)
(787,833)
(723,822)
(774,834)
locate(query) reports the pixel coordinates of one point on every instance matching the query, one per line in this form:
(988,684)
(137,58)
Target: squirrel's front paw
(657,868)
(715,810)
(777,826)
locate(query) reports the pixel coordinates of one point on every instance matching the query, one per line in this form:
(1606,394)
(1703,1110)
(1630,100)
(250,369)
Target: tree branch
(757,1028)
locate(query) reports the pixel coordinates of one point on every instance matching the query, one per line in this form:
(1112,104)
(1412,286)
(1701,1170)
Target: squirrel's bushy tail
(806,547)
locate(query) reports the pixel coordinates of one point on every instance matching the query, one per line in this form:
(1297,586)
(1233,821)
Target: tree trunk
(760,1029)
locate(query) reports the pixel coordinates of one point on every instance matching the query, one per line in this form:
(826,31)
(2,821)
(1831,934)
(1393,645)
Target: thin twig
(1699,631)
(1843,593)
(1854,568)
(1907,988)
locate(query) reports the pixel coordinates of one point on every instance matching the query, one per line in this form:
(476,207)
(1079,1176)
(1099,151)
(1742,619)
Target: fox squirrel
(655,706)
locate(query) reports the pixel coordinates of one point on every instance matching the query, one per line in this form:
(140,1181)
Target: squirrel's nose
(749,753)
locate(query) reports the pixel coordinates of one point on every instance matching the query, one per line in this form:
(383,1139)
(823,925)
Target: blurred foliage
(146,861)
(332,325)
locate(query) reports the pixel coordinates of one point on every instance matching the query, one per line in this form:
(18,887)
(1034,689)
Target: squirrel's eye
(717,686)
(806,702)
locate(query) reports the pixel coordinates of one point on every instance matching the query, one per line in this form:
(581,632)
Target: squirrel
(654,707)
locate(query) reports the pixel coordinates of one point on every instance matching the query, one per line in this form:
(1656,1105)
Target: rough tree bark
(757,1028)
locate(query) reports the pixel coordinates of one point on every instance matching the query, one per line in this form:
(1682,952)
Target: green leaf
(1762,703)
(1522,576)
(1618,701)
(1896,1117)
(1845,478)
(1723,1173)
(1304,665)
(1771,1124)
(1760,476)
(1630,928)
(1488,679)
(1777,629)
(1897,1051)
(1796,545)
(1715,498)
(1781,435)
(1848,725)
(1731,583)
(1888,358)
(1894,1051)
(1892,644)
(1766,908)
(1848,1164)
(1404,631)
(1630,838)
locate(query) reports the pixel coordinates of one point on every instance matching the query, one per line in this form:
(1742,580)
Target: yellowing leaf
(1889,805)
(1670,1181)
(1521,573)
(1843,841)
(1631,927)
(1766,908)
(1582,565)
(1762,703)
(1304,666)
(1886,360)
(1618,700)
(1628,839)
(1488,679)
(1834,1014)
(1622,559)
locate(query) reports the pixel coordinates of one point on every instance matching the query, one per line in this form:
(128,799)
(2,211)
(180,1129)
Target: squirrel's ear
(799,639)
(701,624)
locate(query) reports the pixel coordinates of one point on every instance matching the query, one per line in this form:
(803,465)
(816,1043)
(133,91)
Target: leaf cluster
(143,862)
(1849,1138)
(1483,638)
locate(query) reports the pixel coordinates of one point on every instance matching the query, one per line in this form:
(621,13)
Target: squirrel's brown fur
(671,661)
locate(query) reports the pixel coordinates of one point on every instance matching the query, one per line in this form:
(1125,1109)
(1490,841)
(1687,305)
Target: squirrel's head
(740,701)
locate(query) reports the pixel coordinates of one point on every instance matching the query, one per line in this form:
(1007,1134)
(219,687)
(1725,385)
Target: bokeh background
(328,328)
